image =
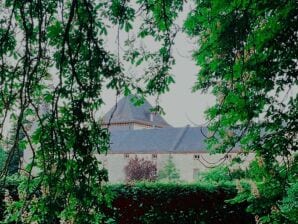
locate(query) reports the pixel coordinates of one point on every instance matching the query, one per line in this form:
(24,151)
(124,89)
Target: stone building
(135,131)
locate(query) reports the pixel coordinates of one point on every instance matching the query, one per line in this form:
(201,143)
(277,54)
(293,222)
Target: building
(135,131)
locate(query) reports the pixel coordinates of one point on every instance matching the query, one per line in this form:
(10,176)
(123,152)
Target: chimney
(151,117)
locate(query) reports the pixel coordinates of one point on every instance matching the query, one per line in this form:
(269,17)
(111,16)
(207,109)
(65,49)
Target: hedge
(166,203)
(176,203)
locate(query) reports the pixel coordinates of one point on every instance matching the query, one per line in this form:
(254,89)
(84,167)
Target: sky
(182,107)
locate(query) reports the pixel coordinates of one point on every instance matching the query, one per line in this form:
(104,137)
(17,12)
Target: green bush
(220,175)
(176,203)
(169,172)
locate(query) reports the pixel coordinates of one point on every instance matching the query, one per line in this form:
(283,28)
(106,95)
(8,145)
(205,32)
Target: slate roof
(159,140)
(126,112)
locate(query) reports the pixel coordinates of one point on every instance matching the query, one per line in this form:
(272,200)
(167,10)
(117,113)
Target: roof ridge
(126,111)
(131,115)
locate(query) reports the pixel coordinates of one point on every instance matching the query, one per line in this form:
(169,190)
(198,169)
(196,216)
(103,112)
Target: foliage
(215,175)
(8,192)
(169,173)
(259,190)
(3,157)
(220,175)
(289,204)
(140,170)
(262,192)
(13,166)
(54,66)
(247,53)
(176,203)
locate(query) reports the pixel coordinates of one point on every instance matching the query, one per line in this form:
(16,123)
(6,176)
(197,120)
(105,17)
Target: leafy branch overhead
(247,53)
(54,67)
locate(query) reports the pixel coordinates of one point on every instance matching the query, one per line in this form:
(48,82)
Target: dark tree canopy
(54,66)
(248,55)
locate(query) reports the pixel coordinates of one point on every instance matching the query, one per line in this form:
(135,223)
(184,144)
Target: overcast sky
(182,107)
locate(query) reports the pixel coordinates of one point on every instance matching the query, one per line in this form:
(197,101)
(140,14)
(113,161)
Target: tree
(248,54)
(53,53)
(169,172)
(140,170)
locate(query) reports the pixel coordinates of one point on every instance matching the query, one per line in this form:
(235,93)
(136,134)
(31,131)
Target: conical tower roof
(126,112)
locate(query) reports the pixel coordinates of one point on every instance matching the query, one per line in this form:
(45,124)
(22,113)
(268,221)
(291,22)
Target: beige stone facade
(187,164)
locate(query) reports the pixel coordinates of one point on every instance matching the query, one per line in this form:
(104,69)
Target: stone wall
(188,164)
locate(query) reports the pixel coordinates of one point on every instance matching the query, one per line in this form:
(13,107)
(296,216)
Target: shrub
(169,203)
(169,172)
(221,174)
(176,203)
(140,170)
(216,174)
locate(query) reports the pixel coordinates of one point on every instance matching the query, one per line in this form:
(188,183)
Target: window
(196,156)
(154,171)
(154,156)
(228,156)
(126,156)
(195,174)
